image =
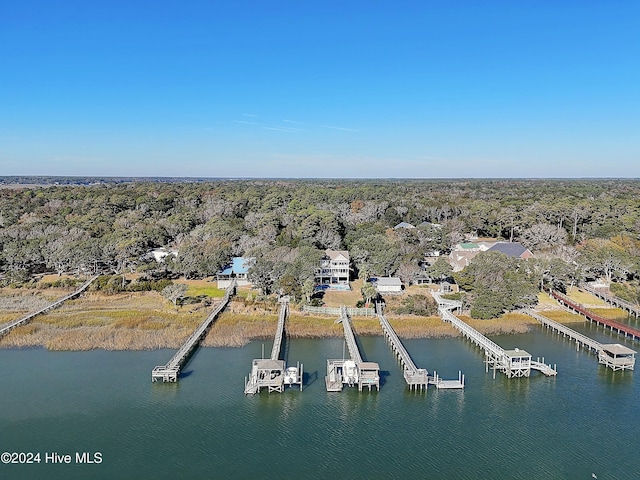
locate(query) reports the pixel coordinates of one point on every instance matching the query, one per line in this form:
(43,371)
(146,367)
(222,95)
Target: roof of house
(404,225)
(334,254)
(389,282)
(510,249)
(238,265)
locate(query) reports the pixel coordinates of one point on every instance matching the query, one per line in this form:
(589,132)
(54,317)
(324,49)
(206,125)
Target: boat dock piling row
(614,356)
(513,363)
(351,372)
(272,373)
(416,378)
(170,371)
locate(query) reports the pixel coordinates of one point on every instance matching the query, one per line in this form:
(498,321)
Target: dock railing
(170,371)
(27,318)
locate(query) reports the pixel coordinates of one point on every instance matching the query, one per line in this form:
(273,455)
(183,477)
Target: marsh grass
(146,320)
(563,316)
(585,298)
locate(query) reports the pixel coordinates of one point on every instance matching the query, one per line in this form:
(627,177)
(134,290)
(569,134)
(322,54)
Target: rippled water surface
(586,421)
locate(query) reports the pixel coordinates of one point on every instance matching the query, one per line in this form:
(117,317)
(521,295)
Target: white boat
(291,375)
(349,372)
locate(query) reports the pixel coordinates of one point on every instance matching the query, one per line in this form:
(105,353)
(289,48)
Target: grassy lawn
(197,288)
(349,298)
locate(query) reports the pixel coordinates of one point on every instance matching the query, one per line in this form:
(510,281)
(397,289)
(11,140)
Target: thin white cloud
(245,122)
(340,128)
(249,115)
(293,121)
(281,129)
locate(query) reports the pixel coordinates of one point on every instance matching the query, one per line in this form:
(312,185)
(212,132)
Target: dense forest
(577,229)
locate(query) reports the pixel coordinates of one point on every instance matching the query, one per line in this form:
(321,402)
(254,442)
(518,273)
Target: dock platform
(614,355)
(416,378)
(513,363)
(272,373)
(351,372)
(171,371)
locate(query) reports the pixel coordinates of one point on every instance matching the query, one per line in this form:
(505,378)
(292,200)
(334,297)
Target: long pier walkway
(354,371)
(592,317)
(613,300)
(614,356)
(27,318)
(271,373)
(416,378)
(170,371)
(513,363)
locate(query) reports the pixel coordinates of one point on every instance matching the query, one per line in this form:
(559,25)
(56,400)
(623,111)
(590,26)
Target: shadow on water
(185,373)
(309,378)
(383,374)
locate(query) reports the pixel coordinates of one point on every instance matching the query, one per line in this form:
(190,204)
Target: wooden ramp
(614,356)
(621,328)
(272,373)
(416,378)
(354,371)
(513,363)
(27,318)
(170,371)
(612,299)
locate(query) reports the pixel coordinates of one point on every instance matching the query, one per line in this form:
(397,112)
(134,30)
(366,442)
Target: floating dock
(613,355)
(416,378)
(513,363)
(272,373)
(351,372)
(170,371)
(597,319)
(27,318)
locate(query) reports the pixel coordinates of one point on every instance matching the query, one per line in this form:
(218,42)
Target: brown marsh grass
(146,320)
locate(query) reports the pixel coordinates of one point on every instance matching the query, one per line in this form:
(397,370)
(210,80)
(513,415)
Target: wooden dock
(170,371)
(513,363)
(612,299)
(272,373)
(354,371)
(416,378)
(27,318)
(619,327)
(614,356)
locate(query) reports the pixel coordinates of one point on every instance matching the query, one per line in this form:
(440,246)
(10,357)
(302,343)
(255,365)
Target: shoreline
(146,321)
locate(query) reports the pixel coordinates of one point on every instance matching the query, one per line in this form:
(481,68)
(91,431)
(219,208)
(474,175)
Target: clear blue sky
(278,88)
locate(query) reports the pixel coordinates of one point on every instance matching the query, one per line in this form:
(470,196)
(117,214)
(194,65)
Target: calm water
(587,420)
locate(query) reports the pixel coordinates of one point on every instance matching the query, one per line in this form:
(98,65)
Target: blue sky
(428,89)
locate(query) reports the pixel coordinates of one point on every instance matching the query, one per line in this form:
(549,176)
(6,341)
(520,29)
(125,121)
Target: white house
(388,285)
(238,269)
(334,268)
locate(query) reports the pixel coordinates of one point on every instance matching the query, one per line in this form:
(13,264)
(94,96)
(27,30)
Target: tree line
(576,228)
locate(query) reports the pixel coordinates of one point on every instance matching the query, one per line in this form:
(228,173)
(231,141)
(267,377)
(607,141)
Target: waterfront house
(238,269)
(333,269)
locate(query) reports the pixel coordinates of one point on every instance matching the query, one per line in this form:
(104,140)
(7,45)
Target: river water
(585,421)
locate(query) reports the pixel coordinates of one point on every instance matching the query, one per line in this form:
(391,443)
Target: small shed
(519,363)
(388,285)
(617,357)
